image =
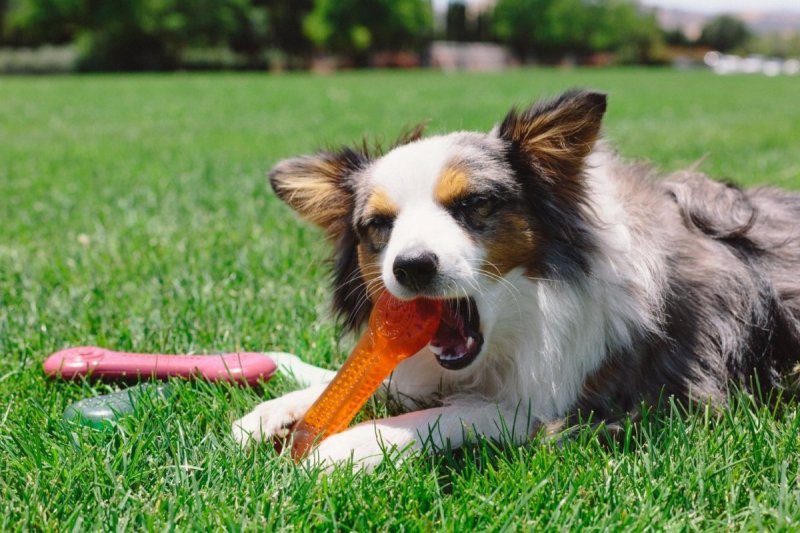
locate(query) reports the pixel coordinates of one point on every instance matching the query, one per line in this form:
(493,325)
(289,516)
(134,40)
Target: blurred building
(453,56)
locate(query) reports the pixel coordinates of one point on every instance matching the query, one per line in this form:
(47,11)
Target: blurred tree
(137,34)
(252,32)
(782,45)
(632,34)
(550,30)
(35,22)
(724,33)
(461,26)
(354,28)
(456,22)
(571,27)
(774,45)
(4,30)
(286,29)
(151,34)
(676,37)
(521,25)
(483,27)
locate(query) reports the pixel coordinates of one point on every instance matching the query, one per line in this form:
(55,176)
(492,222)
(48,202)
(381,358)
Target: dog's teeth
(470,343)
(437,350)
(449,356)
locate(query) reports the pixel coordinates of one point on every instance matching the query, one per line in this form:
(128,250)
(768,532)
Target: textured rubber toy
(97,412)
(397,330)
(241,367)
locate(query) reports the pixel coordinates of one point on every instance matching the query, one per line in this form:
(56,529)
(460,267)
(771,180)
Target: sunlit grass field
(135,214)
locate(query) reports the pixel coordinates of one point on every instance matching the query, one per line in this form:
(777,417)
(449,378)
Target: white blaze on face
(408,176)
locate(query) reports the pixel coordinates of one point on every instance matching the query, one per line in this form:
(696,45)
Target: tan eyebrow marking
(453,184)
(379,203)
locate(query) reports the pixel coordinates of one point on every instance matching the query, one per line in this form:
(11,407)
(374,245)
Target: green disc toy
(97,412)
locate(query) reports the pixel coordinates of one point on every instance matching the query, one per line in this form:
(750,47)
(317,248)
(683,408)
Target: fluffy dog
(574,284)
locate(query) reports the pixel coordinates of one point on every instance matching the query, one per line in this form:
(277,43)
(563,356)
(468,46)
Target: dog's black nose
(415,271)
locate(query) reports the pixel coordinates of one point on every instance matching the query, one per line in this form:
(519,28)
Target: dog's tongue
(455,343)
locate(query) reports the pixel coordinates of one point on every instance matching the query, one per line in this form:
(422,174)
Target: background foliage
(724,33)
(161,34)
(550,29)
(354,27)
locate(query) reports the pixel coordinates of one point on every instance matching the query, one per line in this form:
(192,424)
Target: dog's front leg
(274,417)
(369,443)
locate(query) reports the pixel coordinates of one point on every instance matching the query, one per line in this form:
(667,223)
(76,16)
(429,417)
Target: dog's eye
(477,205)
(375,231)
(379,222)
(474,210)
(473,201)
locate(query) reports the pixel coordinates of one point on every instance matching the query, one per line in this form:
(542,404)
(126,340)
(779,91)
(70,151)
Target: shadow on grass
(666,428)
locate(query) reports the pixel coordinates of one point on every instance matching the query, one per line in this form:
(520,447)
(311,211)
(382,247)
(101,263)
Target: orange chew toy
(396,330)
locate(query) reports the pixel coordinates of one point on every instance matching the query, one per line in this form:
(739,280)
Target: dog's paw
(269,419)
(365,446)
(273,418)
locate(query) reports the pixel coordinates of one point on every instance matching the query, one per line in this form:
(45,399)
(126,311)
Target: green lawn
(134,214)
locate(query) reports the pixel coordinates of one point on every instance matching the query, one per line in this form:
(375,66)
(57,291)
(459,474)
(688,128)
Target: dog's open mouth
(458,340)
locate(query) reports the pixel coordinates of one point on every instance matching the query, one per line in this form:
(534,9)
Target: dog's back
(776,232)
(731,306)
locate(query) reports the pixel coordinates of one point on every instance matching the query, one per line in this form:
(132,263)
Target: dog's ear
(555,136)
(319,187)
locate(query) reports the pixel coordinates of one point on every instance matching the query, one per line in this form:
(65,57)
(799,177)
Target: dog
(575,285)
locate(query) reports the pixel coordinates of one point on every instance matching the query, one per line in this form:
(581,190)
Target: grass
(134,214)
